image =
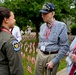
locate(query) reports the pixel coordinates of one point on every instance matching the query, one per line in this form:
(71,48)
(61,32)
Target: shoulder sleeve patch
(16,45)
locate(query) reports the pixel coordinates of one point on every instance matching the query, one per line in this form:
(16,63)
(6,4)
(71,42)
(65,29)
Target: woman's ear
(5,20)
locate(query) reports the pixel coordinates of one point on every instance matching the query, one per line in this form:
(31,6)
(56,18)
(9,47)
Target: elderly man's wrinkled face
(47,17)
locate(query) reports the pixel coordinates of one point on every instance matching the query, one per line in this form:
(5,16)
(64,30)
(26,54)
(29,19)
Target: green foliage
(33,30)
(73,29)
(62,9)
(26,10)
(62,64)
(73,13)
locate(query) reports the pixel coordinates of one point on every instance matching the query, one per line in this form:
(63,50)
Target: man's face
(47,17)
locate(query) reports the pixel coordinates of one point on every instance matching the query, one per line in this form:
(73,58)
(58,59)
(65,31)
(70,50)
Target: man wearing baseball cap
(53,42)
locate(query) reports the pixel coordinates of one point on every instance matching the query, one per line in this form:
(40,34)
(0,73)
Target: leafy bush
(73,29)
(33,30)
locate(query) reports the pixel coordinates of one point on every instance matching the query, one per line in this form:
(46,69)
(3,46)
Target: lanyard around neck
(3,29)
(47,31)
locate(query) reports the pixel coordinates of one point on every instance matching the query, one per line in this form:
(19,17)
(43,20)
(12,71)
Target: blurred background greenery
(27,12)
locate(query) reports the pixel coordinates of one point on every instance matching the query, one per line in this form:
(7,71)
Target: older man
(53,42)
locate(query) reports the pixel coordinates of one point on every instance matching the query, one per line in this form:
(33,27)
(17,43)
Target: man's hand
(50,65)
(67,53)
(73,58)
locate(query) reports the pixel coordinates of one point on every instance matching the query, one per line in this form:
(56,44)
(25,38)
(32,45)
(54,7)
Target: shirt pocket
(53,37)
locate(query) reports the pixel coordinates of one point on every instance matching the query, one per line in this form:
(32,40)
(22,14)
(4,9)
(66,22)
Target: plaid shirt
(57,39)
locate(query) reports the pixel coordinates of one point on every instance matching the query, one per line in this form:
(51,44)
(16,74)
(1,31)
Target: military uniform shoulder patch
(16,45)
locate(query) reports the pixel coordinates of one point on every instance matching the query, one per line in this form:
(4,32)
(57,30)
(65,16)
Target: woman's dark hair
(4,13)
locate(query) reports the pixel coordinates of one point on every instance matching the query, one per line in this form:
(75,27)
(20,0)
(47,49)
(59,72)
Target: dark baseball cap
(47,7)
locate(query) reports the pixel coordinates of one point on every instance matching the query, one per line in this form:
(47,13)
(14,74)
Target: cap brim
(43,11)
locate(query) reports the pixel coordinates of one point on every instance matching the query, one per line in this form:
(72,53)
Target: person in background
(29,29)
(16,33)
(53,42)
(22,32)
(10,57)
(71,59)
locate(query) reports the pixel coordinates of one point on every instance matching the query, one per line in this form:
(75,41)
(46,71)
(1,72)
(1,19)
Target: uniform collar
(5,29)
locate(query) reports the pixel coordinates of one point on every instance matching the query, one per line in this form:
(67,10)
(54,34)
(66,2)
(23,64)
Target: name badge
(43,48)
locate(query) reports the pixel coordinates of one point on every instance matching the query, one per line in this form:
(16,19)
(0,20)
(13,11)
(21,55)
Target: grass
(62,64)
